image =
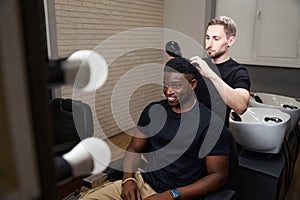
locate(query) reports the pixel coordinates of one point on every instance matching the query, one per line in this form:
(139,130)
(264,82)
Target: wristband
(175,194)
(128,179)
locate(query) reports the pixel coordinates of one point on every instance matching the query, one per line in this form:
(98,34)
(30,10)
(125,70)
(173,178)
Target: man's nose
(208,43)
(168,90)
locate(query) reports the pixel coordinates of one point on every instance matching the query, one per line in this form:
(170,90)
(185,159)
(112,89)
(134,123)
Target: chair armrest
(69,188)
(225,194)
(112,173)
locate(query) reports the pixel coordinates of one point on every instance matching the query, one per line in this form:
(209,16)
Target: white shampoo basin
(288,105)
(260,129)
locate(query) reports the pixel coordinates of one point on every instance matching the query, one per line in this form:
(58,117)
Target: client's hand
(130,191)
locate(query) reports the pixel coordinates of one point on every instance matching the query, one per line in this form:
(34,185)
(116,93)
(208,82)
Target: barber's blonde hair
(228,24)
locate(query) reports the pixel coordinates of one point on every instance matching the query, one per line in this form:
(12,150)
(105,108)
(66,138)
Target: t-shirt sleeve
(242,79)
(152,118)
(217,139)
(144,120)
(222,146)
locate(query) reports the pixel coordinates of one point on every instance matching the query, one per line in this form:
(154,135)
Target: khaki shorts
(112,190)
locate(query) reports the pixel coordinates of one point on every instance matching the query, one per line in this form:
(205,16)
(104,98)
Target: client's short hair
(181,65)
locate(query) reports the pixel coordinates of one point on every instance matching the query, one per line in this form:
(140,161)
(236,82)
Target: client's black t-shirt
(173,148)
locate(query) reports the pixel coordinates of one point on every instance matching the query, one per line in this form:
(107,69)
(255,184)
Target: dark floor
(294,189)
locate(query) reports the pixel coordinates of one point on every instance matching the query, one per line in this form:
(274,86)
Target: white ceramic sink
(260,129)
(286,104)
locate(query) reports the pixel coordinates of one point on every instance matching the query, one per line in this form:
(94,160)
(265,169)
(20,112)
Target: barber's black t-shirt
(232,73)
(173,148)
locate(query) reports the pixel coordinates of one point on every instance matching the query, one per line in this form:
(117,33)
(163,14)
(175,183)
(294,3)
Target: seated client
(186,146)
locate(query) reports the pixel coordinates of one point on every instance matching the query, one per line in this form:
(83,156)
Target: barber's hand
(164,195)
(201,66)
(130,191)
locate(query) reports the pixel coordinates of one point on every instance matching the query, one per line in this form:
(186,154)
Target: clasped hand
(130,191)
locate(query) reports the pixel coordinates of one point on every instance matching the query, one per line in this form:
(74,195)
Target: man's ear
(231,41)
(194,83)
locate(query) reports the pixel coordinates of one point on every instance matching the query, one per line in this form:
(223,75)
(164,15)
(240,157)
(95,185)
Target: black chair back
(72,122)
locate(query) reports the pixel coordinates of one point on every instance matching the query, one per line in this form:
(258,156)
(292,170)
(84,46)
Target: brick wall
(93,24)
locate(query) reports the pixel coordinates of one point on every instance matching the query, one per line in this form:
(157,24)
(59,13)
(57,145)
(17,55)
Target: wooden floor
(119,143)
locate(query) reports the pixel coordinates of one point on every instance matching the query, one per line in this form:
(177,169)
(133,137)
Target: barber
(233,83)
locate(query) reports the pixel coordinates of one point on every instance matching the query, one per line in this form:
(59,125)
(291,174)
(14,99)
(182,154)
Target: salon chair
(114,172)
(72,121)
